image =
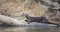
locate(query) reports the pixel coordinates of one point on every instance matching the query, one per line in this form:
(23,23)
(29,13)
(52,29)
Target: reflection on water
(29,29)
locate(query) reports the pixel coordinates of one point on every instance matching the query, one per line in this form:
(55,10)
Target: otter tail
(58,25)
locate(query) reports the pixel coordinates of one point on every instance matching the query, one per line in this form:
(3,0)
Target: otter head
(24,15)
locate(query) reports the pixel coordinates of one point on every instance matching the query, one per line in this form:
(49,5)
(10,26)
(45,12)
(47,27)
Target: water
(31,28)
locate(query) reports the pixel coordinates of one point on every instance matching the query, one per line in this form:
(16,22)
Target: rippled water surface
(29,29)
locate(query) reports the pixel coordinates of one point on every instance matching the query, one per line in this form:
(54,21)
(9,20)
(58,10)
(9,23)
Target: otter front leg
(29,21)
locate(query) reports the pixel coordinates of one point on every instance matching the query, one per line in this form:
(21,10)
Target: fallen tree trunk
(9,20)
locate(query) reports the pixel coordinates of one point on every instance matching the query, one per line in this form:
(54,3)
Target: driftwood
(8,20)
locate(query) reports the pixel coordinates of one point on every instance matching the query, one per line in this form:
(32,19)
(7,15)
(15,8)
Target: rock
(53,10)
(14,8)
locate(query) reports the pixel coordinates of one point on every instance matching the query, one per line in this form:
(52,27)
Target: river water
(31,28)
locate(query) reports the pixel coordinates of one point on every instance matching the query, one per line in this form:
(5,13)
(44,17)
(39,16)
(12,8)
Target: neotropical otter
(34,19)
(37,19)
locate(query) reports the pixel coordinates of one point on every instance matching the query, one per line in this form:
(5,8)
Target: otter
(34,19)
(30,19)
(42,19)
